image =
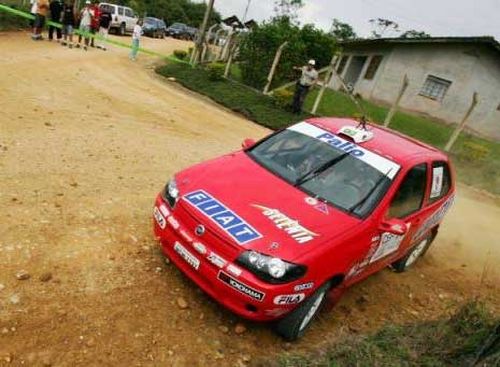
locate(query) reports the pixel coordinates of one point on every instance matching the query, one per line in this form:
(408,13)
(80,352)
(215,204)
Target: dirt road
(87,139)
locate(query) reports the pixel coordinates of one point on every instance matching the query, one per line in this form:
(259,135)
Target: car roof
(386,142)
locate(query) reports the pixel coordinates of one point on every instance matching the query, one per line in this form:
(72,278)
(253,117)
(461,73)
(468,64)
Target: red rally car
(272,230)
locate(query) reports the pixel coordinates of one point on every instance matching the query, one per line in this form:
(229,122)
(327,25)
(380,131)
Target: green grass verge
(479,170)
(237,97)
(13,22)
(456,341)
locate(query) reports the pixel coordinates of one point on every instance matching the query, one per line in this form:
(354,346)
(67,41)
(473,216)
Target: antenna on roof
(362,123)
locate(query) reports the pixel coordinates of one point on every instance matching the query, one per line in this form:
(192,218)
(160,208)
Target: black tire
(417,251)
(294,325)
(122,29)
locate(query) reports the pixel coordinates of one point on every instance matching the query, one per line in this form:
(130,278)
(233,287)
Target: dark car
(154,27)
(178,30)
(192,32)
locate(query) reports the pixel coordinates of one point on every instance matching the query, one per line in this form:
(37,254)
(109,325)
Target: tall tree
(342,31)
(384,27)
(414,34)
(287,9)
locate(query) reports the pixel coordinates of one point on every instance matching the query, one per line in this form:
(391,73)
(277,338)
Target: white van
(123,18)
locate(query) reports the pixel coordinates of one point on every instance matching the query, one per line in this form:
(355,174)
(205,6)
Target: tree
(414,34)
(382,26)
(287,9)
(342,31)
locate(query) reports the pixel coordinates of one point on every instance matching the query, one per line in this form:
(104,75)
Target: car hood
(287,222)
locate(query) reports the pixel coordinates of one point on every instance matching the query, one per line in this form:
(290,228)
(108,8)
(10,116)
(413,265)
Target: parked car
(123,18)
(154,27)
(178,30)
(272,230)
(192,33)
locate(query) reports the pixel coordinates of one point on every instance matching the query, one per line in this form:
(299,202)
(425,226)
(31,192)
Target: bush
(259,47)
(471,151)
(216,71)
(180,54)
(282,98)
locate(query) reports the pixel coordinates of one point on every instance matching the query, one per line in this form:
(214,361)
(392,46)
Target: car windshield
(327,167)
(150,21)
(177,26)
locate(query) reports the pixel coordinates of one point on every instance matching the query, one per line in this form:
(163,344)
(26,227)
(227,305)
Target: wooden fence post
(395,105)
(326,81)
(460,127)
(232,51)
(273,67)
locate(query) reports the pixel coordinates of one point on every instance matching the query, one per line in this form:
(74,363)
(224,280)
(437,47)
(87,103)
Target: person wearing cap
(308,78)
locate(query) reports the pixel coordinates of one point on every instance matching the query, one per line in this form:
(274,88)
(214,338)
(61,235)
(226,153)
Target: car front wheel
(294,325)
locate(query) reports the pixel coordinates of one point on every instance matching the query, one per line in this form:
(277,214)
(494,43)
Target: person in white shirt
(307,80)
(86,16)
(136,38)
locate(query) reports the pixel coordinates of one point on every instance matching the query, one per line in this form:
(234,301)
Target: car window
(105,8)
(441,181)
(410,195)
(129,13)
(120,11)
(349,182)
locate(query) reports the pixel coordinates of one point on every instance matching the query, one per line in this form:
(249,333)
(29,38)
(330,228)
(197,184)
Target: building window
(342,63)
(373,67)
(435,88)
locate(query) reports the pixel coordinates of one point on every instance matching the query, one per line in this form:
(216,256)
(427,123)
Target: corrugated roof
(484,40)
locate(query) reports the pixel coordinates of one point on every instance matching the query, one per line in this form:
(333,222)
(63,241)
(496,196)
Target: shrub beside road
(473,156)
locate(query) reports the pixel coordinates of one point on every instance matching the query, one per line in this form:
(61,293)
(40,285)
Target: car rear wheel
(294,325)
(414,254)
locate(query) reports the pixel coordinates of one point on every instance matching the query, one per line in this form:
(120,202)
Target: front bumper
(242,293)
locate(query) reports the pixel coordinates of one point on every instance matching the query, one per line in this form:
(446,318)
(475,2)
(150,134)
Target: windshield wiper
(375,187)
(318,170)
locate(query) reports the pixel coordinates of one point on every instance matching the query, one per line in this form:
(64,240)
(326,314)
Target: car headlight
(171,193)
(270,269)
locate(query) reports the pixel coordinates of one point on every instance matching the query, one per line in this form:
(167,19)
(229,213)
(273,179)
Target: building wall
(469,67)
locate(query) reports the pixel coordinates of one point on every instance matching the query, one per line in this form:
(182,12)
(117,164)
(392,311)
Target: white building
(443,74)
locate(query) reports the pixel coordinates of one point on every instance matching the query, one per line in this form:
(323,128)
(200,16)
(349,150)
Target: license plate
(186,255)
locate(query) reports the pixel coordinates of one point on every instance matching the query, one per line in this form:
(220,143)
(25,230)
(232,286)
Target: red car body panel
(330,242)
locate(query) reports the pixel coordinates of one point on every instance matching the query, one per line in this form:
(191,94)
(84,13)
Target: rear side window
(410,195)
(441,181)
(129,13)
(120,11)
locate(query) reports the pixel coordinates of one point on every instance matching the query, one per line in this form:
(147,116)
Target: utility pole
(461,126)
(246,12)
(203,30)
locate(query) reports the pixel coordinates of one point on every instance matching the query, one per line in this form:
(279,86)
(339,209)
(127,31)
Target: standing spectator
(136,38)
(94,24)
(42,7)
(68,23)
(33,12)
(104,23)
(308,78)
(85,22)
(55,16)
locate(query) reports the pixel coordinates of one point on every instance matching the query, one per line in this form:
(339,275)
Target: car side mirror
(247,143)
(394,226)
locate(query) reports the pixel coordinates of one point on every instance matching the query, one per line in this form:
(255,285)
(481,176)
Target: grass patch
(237,97)
(456,341)
(13,22)
(479,170)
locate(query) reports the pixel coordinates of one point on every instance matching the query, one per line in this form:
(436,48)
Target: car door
(382,245)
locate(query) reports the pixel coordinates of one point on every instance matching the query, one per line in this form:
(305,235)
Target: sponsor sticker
(437,182)
(216,260)
(303,287)
(389,243)
(290,226)
(173,222)
(187,256)
(164,210)
(378,162)
(241,287)
(224,217)
(289,299)
(200,248)
(159,218)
